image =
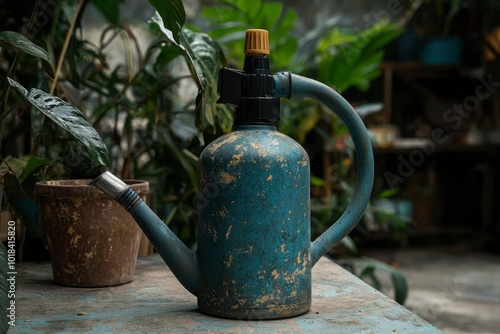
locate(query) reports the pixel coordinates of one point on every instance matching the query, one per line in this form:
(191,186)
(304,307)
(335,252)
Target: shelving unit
(460,179)
(411,71)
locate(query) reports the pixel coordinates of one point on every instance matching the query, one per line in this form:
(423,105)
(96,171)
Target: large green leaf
(92,151)
(4,289)
(14,41)
(204,58)
(207,58)
(173,15)
(228,20)
(109,8)
(350,58)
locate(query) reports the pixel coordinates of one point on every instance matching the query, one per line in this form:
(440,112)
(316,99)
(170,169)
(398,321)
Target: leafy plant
(367,269)
(227,21)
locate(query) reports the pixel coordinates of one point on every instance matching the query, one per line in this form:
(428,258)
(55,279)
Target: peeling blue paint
(254,236)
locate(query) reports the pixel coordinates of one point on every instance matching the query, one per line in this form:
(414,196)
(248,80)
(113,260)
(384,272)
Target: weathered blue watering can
(254,254)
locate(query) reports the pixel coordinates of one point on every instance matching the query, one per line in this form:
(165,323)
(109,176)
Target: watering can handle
(288,85)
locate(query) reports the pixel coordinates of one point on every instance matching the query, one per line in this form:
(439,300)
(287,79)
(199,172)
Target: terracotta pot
(92,241)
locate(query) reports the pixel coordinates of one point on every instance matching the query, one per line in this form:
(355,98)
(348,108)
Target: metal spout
(179,258)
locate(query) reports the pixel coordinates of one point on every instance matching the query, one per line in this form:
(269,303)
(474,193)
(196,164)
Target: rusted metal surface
(92,240)
(254,234)
(156,303)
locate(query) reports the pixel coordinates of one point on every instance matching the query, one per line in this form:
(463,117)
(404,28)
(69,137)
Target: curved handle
(288,85)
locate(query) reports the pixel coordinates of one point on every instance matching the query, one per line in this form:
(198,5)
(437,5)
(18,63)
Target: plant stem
(69,34)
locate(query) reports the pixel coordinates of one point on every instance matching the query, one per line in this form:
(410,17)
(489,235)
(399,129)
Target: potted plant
(92,241)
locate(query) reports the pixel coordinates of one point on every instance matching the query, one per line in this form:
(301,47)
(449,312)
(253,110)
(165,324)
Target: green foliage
(109,8)
(16,42)
(173,16)
(367,269)
(204,57)
(228,20)
(92,154)
(348,58)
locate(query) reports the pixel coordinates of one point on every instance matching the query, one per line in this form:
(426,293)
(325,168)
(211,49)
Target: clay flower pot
(92,241)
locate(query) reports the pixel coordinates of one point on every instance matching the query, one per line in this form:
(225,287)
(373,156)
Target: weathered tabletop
(156,302)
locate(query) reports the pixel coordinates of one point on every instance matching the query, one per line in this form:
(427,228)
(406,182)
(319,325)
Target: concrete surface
(457,289)
(156,303)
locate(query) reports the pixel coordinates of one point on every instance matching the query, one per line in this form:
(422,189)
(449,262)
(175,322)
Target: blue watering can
(254,254)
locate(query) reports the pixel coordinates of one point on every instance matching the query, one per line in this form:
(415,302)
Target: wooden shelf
(448,148)
(412,71)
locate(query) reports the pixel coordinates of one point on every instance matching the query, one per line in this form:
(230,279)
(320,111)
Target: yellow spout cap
(256,42)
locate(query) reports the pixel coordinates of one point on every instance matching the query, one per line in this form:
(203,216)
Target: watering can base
(267,313)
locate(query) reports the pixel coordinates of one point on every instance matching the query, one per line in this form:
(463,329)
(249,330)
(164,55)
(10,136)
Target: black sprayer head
(251,90)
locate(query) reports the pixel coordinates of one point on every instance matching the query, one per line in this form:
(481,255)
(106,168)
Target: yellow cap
(256,42)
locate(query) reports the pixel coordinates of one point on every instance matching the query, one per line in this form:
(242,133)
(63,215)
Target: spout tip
(109,184)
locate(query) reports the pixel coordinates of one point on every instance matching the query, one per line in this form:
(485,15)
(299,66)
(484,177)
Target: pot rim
(81,187)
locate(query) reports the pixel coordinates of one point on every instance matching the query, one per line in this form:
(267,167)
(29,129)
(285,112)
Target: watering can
(254,254)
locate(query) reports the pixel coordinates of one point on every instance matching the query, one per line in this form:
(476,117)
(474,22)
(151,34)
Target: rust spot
(229,231)
(235,160)
(275,274)
(229,138)
(222,213)
(299,259)
(263,300)
(260,151)
(213,232)
(229,261)
(226,178)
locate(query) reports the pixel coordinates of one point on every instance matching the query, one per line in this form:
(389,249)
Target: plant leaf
(91,147)
(110,9)
(157,21)
(14,41)
(207,58)
(33,164)
(398,280)
(368,272)
(348,243)
(4,288)
(173,16)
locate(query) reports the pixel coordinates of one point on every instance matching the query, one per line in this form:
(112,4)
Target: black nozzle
(251,90)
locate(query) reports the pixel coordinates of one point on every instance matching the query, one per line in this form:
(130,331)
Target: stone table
(156,303)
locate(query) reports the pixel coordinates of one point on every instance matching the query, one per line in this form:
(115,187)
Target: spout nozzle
(109,184)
